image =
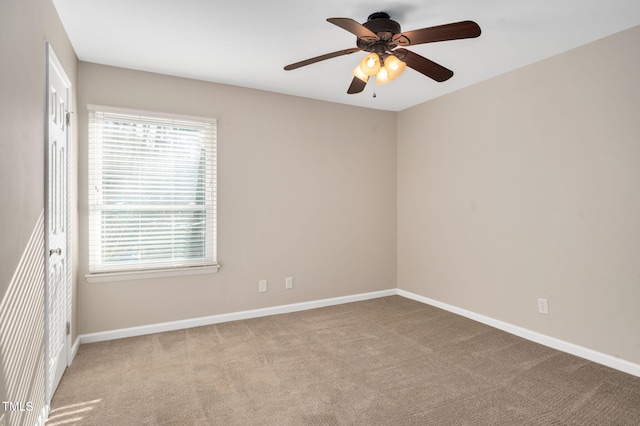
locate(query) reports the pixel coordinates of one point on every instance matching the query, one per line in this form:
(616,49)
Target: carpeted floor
(388,361)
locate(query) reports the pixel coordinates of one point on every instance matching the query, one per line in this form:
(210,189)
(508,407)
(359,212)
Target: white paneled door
(58,278)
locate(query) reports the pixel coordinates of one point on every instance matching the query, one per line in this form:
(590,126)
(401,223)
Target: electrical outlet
(288,283)
(543,306)
(262,286)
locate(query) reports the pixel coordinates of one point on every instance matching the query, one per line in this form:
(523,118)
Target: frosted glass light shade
(360,74)
(393,67)
(382,76)
(370,65)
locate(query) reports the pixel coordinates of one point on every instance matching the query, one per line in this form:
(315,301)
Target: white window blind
(152,191)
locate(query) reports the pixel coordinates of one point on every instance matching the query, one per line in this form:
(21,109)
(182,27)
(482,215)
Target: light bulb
(382,76)
(395,65)
(370,65)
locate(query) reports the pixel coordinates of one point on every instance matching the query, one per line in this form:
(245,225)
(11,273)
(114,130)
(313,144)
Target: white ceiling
(248,42)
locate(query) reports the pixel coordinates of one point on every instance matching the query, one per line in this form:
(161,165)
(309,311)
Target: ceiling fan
(380,36)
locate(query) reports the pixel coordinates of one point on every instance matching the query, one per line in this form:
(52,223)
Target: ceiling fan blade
(354,27)
(454,31)
(321,58)
(424,65)
(357,85)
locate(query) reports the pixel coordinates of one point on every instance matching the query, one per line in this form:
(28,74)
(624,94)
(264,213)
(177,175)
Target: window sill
(160,273)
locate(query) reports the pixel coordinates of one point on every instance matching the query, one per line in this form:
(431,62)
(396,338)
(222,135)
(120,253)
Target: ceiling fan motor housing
(381,24)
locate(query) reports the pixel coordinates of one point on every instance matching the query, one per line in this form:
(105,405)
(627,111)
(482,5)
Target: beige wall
(24,27)
(527,186)
(306,189)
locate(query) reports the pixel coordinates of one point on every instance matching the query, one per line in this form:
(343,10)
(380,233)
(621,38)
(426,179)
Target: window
(152,191)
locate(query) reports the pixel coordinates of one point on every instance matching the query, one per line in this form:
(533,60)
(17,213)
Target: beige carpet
(389,361)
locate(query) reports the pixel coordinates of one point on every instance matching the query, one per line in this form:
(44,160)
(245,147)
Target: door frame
(52,60)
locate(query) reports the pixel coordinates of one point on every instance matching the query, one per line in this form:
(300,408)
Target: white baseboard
(234,316)
(561,345)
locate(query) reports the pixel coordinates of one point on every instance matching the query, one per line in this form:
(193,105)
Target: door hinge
(68,118)
(68,328)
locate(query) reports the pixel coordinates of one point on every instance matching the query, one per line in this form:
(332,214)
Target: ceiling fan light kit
(385,70)
(380,36)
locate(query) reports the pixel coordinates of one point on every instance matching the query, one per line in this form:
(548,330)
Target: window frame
(208,264)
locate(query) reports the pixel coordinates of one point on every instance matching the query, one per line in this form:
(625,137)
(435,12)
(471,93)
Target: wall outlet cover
(543,306)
